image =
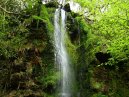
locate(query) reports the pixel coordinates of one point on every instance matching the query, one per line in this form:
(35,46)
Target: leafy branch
(7,11)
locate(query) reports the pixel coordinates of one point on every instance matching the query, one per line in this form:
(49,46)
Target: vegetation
(107,44)
(97,42)
(25,40)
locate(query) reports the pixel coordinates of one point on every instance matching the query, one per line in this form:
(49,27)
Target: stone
(67,7)
(52,4)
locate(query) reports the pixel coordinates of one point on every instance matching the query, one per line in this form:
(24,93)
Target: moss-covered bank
(26,46)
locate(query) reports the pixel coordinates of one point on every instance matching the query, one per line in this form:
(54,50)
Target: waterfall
(61,56)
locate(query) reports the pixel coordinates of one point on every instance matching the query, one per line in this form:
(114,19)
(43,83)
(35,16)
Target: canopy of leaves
(110,28)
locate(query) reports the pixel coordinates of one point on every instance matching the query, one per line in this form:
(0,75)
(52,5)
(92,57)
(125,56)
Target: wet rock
(67,7)
(72,26)
(52,4)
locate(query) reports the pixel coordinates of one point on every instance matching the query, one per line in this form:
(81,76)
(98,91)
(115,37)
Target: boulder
(67,7)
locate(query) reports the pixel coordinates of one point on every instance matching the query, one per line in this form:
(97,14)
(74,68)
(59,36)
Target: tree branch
(7,11)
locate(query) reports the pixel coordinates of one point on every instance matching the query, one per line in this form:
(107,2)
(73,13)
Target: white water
(75,7)
(61,55)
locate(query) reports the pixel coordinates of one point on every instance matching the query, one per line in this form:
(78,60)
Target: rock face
(52,4)
(72,6)
(67,7)
(22,72)
(75,7)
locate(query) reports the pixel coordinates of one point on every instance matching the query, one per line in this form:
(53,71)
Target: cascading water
(61,55)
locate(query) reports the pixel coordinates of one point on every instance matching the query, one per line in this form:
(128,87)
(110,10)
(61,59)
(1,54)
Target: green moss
(99,95)
(45,15)
(26,47)
(51,78)
(71,50)
(96,85)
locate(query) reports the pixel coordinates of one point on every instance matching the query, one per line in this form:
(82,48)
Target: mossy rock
(74,15)
(67,7)
(52,4)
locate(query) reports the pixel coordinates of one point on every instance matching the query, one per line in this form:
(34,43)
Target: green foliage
(37,17)
(25,31)
(24,36)
(10,6)
(96,85)
(109,32)
(99,95)
(84,27)
(45,15)
(31,3)
(51,78)
(71,50)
